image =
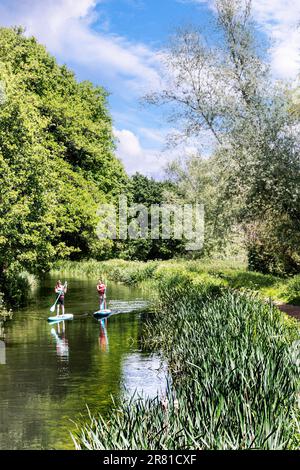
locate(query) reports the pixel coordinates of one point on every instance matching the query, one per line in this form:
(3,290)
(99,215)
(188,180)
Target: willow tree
(225,90)
(294,99)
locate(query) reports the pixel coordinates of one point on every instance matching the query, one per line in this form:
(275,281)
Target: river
(50,374)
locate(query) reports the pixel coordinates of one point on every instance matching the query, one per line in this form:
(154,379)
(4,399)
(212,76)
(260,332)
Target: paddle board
(58,318)
(104,313)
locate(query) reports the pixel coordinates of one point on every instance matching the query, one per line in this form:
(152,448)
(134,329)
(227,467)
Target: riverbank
(234,362)
(231,273)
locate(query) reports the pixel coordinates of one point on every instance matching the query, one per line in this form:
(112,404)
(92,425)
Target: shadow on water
(49,373)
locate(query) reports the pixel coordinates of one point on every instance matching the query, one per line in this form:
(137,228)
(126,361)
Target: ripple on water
(123,306)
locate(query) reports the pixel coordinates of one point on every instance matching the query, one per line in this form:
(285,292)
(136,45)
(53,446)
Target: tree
(227,91)
(201,180)
(294,100)
(147,191)
(56,159)
(78,124)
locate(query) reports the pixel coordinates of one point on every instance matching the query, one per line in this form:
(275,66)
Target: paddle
(104,299)
(52,309)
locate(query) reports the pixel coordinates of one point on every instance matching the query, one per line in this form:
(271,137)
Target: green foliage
(17,287)
(56,159)
(128,272)
(251,181)
(294,99)
(77,124)
(202,180)
(147,191)
(291,290)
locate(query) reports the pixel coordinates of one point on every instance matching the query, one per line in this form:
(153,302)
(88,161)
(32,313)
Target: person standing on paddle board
(101,289)
(61,290)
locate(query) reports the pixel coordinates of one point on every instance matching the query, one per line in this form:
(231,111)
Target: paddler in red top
(101,289)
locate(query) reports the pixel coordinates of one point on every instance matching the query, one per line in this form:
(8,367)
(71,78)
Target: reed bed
(230,273)
(127,272)
(234,363)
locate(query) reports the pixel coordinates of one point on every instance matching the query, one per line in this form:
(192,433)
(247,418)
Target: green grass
(234,362)
(18,288)
(128,272)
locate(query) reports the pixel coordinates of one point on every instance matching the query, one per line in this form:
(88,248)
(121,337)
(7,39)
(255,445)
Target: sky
(116,44)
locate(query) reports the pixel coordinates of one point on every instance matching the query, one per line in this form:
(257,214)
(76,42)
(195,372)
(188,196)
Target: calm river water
(50,373)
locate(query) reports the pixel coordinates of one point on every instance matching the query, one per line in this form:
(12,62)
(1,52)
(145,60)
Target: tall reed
(234,362)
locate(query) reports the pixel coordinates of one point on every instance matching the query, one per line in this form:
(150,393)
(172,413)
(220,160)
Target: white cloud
(65,27)
(128,143)
(279,20)
(148,161)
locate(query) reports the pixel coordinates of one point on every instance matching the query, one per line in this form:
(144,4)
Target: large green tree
(57,160)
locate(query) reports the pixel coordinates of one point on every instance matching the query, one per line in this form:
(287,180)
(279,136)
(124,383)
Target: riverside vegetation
(233,360)
(232,273)
(233,357)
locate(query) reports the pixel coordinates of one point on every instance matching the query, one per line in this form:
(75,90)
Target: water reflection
(122,306)
(103,336)
(2,353)
(62,345)
(2,344)
(53,372)
(144,374)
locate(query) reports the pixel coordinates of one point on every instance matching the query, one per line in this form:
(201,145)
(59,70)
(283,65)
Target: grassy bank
(234,362)
(228,273)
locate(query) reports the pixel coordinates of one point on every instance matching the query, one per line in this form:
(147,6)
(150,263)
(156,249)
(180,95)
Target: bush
(17,287)
(292,290)
(4,312)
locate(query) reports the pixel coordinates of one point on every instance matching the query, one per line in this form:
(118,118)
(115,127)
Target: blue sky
(150,21)
(114,43)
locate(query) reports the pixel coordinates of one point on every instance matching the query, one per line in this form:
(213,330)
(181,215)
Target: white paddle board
(58,318)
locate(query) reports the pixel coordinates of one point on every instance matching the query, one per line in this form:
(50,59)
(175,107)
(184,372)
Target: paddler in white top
(62,290)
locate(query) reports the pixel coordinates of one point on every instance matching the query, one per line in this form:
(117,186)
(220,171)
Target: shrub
(17,287)
(4,312)
(292,290)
